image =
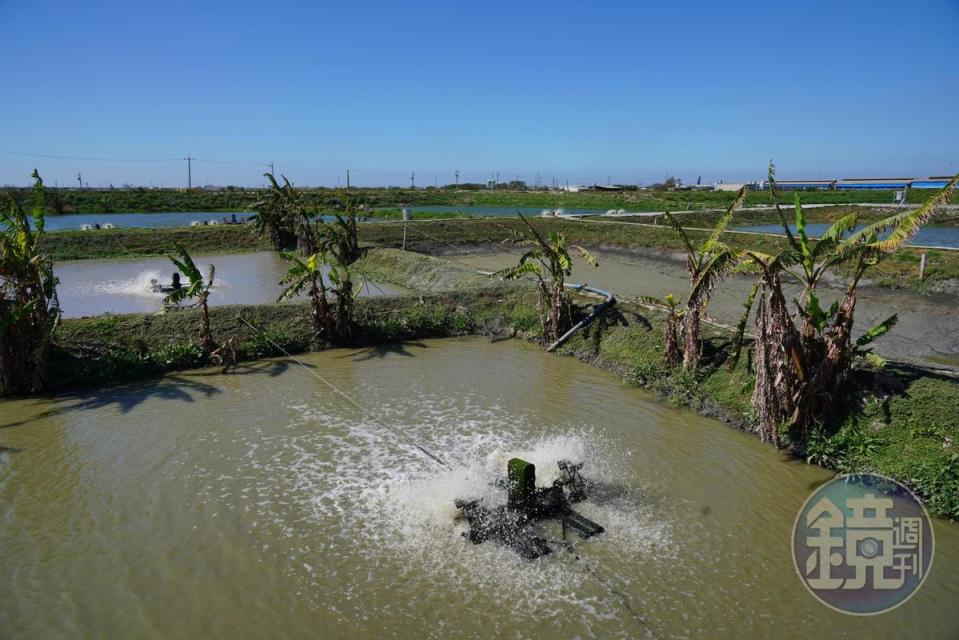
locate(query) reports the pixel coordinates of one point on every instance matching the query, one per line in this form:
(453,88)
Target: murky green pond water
(263,505)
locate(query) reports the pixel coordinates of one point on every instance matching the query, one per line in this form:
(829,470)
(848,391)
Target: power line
(396,432)
(60,157)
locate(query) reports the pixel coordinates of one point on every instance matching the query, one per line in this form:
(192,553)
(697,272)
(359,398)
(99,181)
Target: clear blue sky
(574,90)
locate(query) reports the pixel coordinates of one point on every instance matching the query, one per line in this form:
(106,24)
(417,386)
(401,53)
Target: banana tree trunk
(780,364)
(671,353)
(24,353)
(344,311)
(320,309)
(692,349)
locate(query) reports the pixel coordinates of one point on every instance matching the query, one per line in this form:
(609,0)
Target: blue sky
(576,91)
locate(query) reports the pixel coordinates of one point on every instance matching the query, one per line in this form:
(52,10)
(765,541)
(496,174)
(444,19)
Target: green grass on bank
(137,243)
(112,349)
(66,201)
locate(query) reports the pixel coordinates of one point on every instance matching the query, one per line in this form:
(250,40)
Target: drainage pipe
(609,301)
(598,309)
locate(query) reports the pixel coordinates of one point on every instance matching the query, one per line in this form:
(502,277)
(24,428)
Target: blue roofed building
(873,183)
(934,182)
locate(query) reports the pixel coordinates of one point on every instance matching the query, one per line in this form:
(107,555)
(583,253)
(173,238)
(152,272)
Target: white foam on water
(142,284)
(395,507)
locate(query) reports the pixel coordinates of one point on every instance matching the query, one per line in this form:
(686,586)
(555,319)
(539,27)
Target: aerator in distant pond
(512,524)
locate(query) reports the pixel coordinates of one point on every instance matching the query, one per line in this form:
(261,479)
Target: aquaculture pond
(76,221)
(262,504)
(92,287)
(928,236)
(509,212)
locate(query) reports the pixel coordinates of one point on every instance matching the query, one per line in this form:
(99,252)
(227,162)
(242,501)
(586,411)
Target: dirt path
(927,332)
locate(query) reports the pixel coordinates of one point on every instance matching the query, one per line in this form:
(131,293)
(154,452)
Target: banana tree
(345,291)
(306,273)
(278,214)
(198,289)
(672,355)
(800,370)
(340,238)
(550,262)
(707,265)
(29,309)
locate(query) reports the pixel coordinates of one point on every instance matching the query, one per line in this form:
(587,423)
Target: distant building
(873,183)
(935,182)
(806,184)
(728,186)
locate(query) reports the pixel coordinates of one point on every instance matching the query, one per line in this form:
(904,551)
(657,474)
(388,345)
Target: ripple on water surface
(372,496)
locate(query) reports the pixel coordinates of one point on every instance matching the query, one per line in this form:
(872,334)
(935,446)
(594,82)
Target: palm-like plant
(549,261)
(799,371)
(340,237)
(29,309)
(306,273)
(345,292)
(198,289)
(672,355)
(707,265)
(278,214)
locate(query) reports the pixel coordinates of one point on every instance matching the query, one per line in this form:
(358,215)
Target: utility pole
(80,180)
(189,172)
(457,174)
(347,179)
(413,180)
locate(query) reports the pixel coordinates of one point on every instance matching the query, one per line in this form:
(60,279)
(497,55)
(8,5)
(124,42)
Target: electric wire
(409,441)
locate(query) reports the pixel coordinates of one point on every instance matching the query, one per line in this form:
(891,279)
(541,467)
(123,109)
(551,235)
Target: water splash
(142,284)
(394,508)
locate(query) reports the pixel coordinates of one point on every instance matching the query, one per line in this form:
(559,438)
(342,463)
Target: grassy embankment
(136,243)
(900,421)
(237,199)
(900,270)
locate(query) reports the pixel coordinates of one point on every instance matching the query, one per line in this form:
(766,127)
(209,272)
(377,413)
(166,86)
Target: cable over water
(429,454)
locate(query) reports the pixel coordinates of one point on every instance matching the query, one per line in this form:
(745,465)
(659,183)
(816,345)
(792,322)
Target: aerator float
(512,524)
